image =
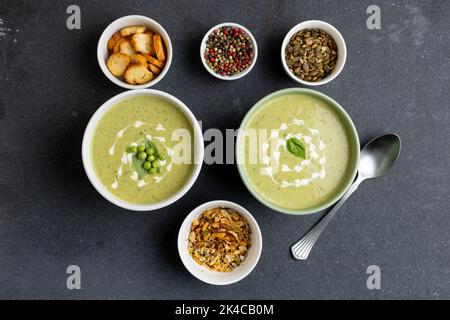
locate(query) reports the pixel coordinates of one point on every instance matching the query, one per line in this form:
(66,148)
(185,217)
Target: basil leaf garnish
(295,147)
(151,144)
(139,166)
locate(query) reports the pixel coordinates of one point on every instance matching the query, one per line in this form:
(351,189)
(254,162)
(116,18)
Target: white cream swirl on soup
(293,175)
(127,158)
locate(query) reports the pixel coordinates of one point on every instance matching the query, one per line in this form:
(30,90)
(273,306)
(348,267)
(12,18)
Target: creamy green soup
(131,123)
(296,181)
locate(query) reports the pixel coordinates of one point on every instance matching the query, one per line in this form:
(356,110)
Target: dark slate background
(396,80)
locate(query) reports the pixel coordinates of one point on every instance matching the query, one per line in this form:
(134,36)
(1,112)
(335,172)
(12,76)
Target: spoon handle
(302,248)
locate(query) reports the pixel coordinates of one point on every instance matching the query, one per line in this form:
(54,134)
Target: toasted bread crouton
(116,48)
(159,47)
(150,33)
(142,42)
(126,47)
(117,63)
(112,41)
(137,74)
(154,61)
(132,30)
(154,68)
(138,59)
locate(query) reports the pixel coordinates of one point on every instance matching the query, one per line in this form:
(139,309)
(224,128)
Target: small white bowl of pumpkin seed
(313,53)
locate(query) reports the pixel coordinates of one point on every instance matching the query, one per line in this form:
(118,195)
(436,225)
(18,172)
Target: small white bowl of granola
(219,242)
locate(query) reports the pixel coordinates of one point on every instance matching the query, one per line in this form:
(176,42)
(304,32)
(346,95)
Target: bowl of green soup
(297,151)
(142,150)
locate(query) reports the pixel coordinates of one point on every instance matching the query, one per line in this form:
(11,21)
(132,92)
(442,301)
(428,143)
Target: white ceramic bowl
(203,48)
(213,277)
(89,135)
(338,39)
(103,54)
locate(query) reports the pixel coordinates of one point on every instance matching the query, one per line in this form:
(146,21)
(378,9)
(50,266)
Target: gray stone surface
(395,80)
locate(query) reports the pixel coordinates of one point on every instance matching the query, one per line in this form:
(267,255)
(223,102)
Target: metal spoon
(377,157)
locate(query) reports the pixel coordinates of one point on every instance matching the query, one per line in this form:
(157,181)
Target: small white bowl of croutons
(134,52)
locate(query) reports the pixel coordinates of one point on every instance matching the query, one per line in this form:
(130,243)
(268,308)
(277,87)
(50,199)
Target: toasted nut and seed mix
(219,239)
(311,54)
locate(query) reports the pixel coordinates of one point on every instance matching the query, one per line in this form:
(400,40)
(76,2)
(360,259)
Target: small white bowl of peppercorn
(313,53)
(228,51)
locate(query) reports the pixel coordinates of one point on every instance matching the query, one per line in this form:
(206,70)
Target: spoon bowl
(378,156)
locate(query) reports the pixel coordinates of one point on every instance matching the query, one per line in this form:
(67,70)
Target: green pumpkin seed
(311,54)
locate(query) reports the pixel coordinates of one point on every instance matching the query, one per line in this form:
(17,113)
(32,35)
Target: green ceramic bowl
(354,153)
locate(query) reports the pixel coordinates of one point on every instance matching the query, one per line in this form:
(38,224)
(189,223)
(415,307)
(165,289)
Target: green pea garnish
(142,155)
(147,165)
(156,164)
